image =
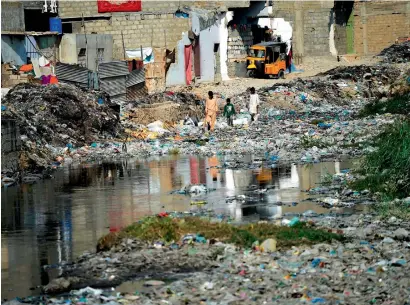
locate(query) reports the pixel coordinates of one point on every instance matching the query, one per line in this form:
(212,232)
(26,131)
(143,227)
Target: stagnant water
(54,221)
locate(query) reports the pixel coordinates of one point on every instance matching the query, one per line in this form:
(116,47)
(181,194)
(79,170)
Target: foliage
(173,229)
(398,104)
(398,209)
(387,169)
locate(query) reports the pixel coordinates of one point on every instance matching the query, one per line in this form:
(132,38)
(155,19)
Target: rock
(269,245)
(392,219)
(401,234)
(208,286)
(57,285)
(368,231)
(154,283)
(388,240)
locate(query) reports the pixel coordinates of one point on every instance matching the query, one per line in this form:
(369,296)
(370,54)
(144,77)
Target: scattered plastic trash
(294,221)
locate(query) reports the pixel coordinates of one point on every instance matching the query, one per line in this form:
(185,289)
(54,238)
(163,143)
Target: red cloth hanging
(105,6)
(188,64)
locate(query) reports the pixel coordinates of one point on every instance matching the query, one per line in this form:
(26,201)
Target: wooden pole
(123,45)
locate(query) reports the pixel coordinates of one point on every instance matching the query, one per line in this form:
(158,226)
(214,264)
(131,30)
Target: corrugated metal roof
(119,98)
(135,77)
(112,69)
(72,73)
(113,85)
(136,92)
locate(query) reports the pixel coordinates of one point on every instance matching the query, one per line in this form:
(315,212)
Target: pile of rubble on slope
(397,53)
(58,116)
(167,106)
(337,86)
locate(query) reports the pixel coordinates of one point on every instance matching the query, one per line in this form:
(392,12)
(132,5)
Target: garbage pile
(376,255)
(59,116)
(397,53)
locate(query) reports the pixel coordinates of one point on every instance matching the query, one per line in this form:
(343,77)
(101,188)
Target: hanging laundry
(46,71)
(26,68)
(36,67)
(43,62)
(45,6)
(45,79)
(147,55)
(53,79)
(188,64)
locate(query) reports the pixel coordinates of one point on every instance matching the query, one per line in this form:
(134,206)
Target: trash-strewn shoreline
(370,266)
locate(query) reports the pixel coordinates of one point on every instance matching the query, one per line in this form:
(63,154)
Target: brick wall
(310,22)
(89,8)
(378,25)
(12,16)
(316,31)
(141,28)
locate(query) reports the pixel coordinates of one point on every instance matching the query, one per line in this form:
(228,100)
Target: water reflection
(56,220)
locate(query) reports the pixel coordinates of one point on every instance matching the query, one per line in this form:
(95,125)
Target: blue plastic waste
(318,301)
(174,246)
(100,101)
(316,262)
(324,125)
(93,145)
(294,221)
(274,158)
(200,239)
(3,107)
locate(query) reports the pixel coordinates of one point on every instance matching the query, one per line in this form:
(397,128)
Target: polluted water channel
(53,221)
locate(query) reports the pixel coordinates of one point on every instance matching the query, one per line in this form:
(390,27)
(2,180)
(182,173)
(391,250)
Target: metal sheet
(72,73)
(135,77)
(113,85)
(112,69)
(136,92)
(120,98)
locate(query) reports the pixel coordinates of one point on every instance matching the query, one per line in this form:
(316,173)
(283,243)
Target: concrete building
(220,32)
(209,39)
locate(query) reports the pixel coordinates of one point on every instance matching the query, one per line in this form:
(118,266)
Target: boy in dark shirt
(229,111)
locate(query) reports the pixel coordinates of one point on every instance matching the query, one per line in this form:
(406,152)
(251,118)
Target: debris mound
(397,53)
(357,73)
(166,106)
(59,115)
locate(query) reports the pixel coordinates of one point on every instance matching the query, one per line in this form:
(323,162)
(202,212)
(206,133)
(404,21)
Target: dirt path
(310,67)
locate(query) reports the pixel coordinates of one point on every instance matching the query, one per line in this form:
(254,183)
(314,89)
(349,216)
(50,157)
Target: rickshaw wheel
(251,73)
(281,74)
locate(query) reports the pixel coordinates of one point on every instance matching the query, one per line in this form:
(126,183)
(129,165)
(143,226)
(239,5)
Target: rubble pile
(397,53)
(383,73)
(167,107)
(185,98)
(59,116)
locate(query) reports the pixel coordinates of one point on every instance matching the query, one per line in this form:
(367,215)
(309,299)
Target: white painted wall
(332,45)
(223,47)
(176,71)
(218,33)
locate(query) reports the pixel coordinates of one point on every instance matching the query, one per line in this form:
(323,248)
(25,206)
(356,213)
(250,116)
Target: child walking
(229,111)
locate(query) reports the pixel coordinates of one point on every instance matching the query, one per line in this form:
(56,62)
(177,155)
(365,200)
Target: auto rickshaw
(267,59)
